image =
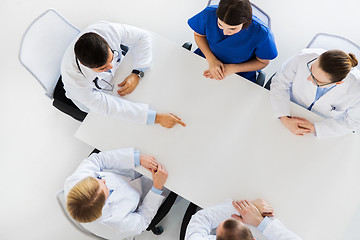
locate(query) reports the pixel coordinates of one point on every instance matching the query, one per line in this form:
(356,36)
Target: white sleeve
(136,222)
(120,159)
(280,87)
(341,125)
(275,230)
(112,106)
(204,221)
(106,104)
(139,42)
(81,91)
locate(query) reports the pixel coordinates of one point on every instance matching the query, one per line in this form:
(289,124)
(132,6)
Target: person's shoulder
(311,52)
(258,25)
(259,28)
(100,26)
(354,79)
(210,11)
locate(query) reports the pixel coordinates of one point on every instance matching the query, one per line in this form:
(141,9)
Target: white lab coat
(205,221)
(340,106)
(82,91)
(131,206)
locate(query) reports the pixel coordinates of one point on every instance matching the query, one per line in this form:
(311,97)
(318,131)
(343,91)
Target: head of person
(234,15)
(233,229)
(331,67)
(86,199)
(94,52)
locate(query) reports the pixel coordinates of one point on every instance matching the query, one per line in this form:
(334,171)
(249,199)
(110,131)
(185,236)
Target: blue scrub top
(256,40)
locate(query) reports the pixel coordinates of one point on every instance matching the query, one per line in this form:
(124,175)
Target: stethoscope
(109,87)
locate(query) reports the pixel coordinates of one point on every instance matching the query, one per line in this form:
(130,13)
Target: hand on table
(296,125)
(216,69)
(228,69)
(168,120)
(249,214)
(128,85)
(159,177)
(307,124)
(148,162)
(265,209)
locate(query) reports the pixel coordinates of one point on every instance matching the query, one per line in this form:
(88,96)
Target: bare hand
(227,71)
(216,68)
(159,177)
(249,214)
(307,124)
(264,208)
(294,125)
(168,120)
(148,162)
(128,85)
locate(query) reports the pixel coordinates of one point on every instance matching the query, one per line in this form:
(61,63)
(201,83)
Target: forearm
(249,66)
(332,127)
(275,230)
(115,107)
(150,206)
(204,46)
(140,44)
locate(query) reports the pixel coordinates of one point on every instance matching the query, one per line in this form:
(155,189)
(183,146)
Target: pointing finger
(175,116)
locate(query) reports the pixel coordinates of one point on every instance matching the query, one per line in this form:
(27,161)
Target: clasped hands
(217,70)
(298,125)
(252,213)
(159,173)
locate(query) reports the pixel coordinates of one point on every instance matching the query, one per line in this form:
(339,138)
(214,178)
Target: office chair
(328,42)
(41,51)
(60,196)
(265,18)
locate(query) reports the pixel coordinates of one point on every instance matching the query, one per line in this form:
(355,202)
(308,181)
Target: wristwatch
(138,72)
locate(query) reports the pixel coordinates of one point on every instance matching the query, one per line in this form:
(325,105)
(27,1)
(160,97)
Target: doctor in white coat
(230,219)
(324,82)
(90,63)
(110,199)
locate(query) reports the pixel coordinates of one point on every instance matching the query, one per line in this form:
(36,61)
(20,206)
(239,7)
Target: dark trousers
(163,210)
(191,210)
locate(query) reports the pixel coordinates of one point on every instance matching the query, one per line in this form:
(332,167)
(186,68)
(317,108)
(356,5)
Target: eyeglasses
(314,79)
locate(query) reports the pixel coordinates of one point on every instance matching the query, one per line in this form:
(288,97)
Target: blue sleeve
(157,191)
(151,117)
(264,224)
(198,23)
(137,158)
(266,48)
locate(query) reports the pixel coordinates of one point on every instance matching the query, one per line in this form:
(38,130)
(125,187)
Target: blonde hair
(85,200)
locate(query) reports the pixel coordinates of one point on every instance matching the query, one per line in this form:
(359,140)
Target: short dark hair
(234,230)
(92,50)
(337,64)
(235,12)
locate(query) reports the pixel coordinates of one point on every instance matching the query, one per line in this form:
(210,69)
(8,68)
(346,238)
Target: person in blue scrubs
(232,40)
